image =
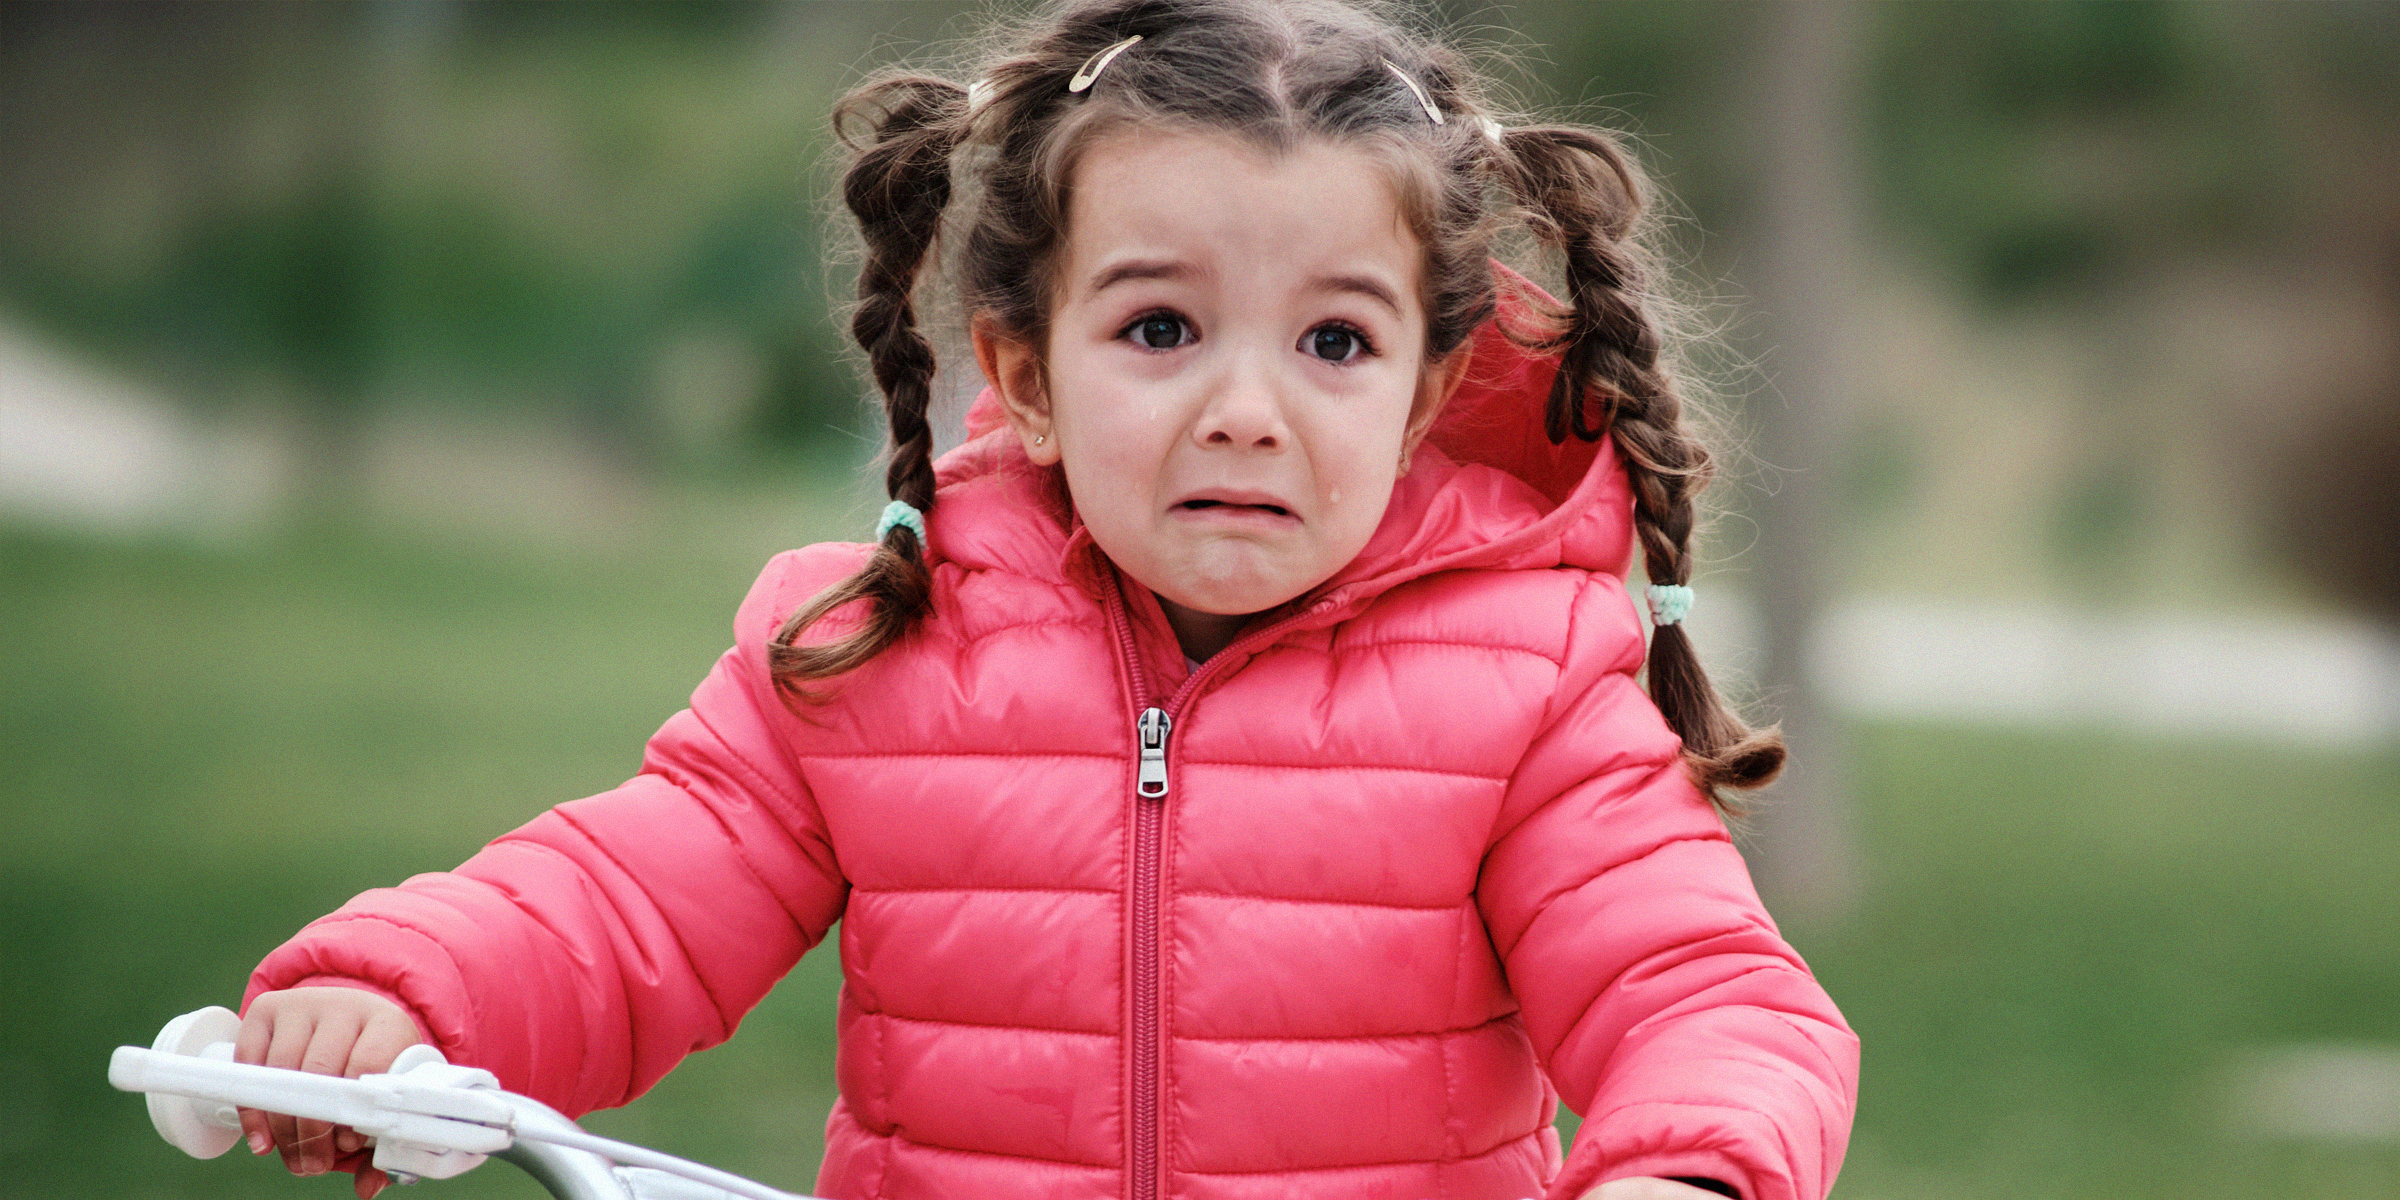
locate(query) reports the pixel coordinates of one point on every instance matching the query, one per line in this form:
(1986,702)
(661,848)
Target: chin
(1221,597)
(1239,578)
(1248,596)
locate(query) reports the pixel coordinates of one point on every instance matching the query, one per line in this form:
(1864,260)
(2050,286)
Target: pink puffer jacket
(1343,912)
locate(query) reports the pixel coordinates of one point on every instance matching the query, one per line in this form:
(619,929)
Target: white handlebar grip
(200,1128)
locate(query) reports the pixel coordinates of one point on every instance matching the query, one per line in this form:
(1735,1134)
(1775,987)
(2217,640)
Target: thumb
(369,1182)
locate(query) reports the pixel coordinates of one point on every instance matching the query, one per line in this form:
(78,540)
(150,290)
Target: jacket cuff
(1699,1167)
(1718,1186)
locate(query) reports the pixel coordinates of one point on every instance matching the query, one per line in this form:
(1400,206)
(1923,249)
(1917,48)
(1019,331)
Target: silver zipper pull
(1154,726)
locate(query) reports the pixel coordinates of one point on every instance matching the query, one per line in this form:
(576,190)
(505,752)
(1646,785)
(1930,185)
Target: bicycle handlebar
(397,1106)
(428,1118)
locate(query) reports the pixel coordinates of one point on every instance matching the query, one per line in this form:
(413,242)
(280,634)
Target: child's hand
(328,1031)
(1649,1187)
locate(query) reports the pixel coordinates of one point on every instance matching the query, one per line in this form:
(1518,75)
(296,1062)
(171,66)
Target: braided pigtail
(898,188)
(1582,194)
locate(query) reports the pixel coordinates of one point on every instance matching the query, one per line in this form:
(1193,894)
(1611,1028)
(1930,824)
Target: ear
(1435,385)
(1015,372)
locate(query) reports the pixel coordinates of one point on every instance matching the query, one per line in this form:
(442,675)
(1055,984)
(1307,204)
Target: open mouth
(1197,505)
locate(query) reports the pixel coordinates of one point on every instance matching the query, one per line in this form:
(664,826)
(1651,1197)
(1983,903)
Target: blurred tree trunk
(1803,241)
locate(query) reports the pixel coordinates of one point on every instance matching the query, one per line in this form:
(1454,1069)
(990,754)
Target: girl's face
(1235,367)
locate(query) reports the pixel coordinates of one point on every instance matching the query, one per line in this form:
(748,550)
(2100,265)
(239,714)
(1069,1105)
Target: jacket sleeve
(583,955)
(1666,1007)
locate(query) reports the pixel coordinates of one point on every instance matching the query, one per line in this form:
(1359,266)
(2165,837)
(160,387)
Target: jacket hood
(1487,490)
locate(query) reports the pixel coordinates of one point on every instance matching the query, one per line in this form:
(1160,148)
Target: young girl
(1227,768)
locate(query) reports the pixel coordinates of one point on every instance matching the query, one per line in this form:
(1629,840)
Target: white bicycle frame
(427,1118)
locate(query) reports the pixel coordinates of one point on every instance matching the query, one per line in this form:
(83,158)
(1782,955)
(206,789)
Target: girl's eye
(1159,331)
(1337,344)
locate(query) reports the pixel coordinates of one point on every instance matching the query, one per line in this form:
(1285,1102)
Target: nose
(1244,410)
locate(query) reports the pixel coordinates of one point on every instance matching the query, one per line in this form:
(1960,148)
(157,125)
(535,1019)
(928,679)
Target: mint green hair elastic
(1669,602)
(901,512)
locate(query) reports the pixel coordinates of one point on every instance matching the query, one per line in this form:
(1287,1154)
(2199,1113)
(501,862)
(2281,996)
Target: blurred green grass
(2068,939)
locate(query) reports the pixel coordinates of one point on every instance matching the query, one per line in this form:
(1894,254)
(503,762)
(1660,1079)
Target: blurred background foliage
(496,344)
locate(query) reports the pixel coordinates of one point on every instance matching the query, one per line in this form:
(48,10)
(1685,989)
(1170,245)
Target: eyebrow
(1360,285)
(1140,269)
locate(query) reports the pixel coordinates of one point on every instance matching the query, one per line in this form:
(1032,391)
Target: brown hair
(1274,73)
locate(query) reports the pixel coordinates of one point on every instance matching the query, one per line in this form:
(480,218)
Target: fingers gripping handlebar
(428,1118)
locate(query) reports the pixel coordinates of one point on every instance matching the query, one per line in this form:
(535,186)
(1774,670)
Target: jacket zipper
(1154,724)
(1149,882)
(1151,726)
